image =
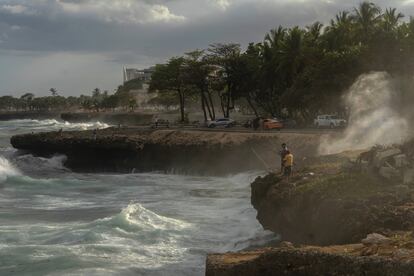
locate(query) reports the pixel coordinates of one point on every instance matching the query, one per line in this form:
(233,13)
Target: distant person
(256,123)
(287,165)
(248,124)
(95,133)
(60,132)
(284,151)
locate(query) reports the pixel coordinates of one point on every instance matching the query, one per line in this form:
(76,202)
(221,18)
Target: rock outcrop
(334,209)
(395,257)
(135,149)
(366,206)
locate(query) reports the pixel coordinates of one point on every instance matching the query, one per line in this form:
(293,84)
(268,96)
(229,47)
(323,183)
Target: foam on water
(56,222)
(50,124)
(136,237)
(136,216)
(6,169)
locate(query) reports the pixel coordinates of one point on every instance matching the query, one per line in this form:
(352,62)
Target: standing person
(287,165)
(283,153)
(95,132)
(256,123)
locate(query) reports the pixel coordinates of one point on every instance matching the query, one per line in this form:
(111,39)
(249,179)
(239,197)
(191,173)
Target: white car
(331,121)
(225,122)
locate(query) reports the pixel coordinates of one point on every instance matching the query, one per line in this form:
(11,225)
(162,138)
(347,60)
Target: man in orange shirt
(283,154)
(287,164)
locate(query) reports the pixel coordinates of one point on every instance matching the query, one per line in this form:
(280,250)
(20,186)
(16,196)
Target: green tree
(367,17)
(196,72)
(168,78)
(53,91)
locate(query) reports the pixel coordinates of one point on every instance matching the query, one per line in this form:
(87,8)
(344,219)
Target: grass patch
(345,185)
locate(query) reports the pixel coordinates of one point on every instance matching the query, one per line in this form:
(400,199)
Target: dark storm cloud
(142,32)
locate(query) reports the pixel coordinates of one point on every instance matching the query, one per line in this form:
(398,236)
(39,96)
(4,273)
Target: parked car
(224,122)
(272,124)
(331,121)
(160,123)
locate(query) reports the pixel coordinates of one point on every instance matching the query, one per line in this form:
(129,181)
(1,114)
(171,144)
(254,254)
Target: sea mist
(374,115)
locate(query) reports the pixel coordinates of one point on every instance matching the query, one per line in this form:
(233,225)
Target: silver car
(225,122)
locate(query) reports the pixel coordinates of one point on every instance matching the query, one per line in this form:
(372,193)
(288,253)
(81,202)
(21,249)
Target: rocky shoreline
(328,212)
(182,151)
(342,215)
(394,257)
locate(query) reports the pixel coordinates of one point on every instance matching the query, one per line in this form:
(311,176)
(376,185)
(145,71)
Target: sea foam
(7,169)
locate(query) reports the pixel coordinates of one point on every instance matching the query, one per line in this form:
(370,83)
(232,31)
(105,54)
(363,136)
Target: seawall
(198,152)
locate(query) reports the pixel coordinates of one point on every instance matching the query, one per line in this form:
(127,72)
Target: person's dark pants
(287,171)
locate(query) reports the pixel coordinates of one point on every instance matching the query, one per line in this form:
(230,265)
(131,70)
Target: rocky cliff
(334,201)
(199,152)
(335,209)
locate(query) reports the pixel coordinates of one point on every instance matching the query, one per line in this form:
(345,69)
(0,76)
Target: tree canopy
(295,72)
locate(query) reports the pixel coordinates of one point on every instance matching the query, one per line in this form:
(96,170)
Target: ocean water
(57,222)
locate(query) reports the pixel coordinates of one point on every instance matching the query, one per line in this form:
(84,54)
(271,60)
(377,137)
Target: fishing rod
(261,160)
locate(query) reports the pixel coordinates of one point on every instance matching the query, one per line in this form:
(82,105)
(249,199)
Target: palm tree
(391,19)
(53,91)
(274,37)
(339,33)
(96,92)
(342,20)
(291,54)
(367,16)
(313,31)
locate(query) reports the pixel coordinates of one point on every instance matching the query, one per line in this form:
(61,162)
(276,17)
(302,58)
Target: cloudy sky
(77,45)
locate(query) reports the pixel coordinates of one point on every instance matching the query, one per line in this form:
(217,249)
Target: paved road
(238,129)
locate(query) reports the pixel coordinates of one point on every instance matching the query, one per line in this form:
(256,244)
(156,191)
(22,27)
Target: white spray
(6,169)
(374,116)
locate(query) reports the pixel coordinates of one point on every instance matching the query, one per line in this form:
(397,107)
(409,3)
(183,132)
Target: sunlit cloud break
(121,11)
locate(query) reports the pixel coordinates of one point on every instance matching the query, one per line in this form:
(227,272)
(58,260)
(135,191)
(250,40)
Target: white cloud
(15,28)
(222,4)
(16,9)
(120,11)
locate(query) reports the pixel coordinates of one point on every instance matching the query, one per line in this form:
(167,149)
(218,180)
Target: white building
(132,74)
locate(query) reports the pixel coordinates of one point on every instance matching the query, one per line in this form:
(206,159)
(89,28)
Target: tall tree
(53,91)
(197,72)
(367,16)
(226,58)
(169,78)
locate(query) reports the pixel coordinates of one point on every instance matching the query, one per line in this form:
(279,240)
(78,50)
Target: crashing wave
(52,124)
(39,165)
(7,169)
(135,216)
